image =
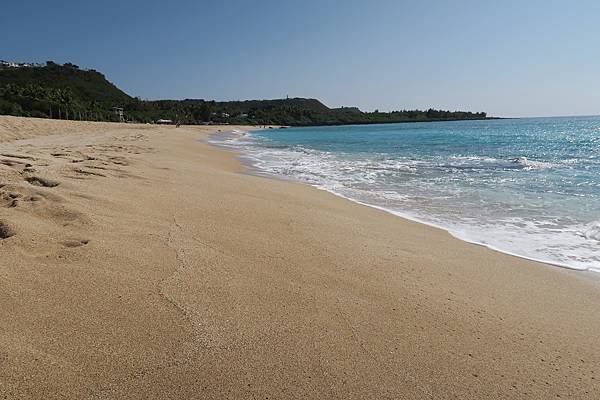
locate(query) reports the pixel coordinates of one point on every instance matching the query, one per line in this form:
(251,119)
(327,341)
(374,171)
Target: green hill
(68,92)
(44,91)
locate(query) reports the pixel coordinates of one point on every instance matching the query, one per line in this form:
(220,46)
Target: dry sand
(140,263)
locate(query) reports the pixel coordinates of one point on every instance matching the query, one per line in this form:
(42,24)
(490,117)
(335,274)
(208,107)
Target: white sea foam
(592,231)
(531,164)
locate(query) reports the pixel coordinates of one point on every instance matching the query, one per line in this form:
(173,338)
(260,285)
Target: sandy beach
(139,262)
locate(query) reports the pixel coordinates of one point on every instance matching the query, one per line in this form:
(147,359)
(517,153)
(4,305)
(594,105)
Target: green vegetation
(68,92)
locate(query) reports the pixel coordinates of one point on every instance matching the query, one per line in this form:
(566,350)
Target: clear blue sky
(510,58)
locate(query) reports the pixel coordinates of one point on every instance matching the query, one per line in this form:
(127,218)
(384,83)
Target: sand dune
(138,262)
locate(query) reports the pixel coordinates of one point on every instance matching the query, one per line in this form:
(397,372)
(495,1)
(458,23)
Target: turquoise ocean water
(528,187)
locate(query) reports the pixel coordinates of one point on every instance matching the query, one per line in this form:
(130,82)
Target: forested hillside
(68,92)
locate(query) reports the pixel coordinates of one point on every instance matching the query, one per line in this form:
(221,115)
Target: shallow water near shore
(528,187)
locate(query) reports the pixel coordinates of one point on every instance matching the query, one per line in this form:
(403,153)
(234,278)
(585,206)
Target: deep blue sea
(528,187)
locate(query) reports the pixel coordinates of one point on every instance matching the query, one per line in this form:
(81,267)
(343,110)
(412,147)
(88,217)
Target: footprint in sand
(84,172)
(18,156)
(6,231)
(17,165)
(9,199)
(43,182)
(72,243)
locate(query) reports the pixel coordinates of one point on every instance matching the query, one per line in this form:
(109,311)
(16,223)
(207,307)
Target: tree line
(68,92)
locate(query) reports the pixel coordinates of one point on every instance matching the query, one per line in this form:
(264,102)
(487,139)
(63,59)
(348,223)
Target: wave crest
(593,231)
(528,164)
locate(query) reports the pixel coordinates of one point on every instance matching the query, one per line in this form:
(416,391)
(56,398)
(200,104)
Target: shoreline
(247,161)
(156,268)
